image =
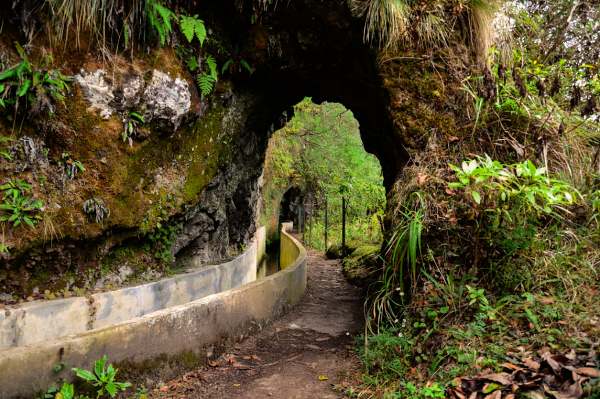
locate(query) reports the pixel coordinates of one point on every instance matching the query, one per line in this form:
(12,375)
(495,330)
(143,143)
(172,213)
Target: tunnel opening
(319,176)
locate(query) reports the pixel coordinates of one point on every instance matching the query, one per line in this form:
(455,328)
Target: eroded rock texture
(192,170)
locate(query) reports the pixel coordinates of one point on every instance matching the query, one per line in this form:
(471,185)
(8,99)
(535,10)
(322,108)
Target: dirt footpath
(308,353)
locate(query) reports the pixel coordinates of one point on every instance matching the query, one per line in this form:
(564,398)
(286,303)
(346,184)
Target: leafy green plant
(162,239)
(208,78)
(96,210)
(130,126)
(66,391)
(102,378)
(6,152)
(17,207)
(72,166)
(159,18)
(523,188)
(15,188)
(31,86)
(400,267)
(4,248)
(192,27)
(595,203)
(477,297)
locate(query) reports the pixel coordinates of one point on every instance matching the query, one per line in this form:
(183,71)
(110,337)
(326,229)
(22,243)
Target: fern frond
(211,63)
(186,24)
(206,83)
(192,27)
(159,18)
(226,66)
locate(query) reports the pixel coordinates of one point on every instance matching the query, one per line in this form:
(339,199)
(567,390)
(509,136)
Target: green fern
(206,83)
(207,80)
(212,66)
(192,27)
(192,64)
(159,18)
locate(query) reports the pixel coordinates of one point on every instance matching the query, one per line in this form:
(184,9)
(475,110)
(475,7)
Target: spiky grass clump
(107,22)
(394,24)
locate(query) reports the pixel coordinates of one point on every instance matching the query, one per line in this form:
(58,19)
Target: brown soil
(308,353)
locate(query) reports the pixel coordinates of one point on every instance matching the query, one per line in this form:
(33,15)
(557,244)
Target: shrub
(29,87)
(18,207)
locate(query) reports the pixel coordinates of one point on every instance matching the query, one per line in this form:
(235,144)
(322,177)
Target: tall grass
(400,267)
(396,23)
(105,21)
(387,22)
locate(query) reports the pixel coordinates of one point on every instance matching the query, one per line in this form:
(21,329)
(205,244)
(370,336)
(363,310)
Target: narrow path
(308,353)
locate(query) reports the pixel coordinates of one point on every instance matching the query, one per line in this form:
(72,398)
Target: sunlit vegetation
(321,152)
(493,258)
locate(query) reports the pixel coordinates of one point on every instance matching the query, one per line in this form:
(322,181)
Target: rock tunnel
(307,48)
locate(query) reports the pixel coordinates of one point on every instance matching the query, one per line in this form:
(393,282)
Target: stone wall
(41,321)
(183,328)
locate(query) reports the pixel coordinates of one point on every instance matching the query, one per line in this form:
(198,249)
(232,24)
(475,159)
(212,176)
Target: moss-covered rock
(362,264)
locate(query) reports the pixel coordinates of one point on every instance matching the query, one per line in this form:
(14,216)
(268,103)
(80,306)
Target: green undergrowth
(454,327)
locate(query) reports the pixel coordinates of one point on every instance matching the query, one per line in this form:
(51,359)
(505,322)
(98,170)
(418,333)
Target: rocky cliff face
(185,181)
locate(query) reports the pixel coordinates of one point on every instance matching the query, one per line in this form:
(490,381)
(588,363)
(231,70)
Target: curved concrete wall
(188,327)
(39,321)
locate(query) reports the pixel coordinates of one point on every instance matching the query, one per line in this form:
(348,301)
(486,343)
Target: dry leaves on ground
(542,376)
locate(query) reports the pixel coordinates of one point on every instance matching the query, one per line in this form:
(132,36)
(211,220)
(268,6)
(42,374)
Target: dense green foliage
(26,86)
(320,151)
(495,252)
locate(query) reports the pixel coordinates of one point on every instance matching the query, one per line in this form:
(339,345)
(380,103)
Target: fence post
(343,224)
(326,222)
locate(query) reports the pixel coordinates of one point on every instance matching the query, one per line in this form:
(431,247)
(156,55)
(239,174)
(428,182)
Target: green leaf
(476,197)
(85,375)
(186,24)
(206,83)
(491,387)
(137,116)
(247,66)
(24,88)
(111,389)
(8,74)
(192,27)
(212,66)
(226,66)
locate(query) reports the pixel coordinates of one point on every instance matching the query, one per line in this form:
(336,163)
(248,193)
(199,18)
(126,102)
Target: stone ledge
(189,327)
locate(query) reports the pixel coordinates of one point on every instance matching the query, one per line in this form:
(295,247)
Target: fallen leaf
(323,378)
(535,395)
(500,378)
(495,395)
(588,372)
(532,364)
(551,362)
(511,366)
(491,387)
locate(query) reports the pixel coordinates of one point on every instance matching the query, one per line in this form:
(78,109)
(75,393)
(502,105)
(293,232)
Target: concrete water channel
(184,313)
